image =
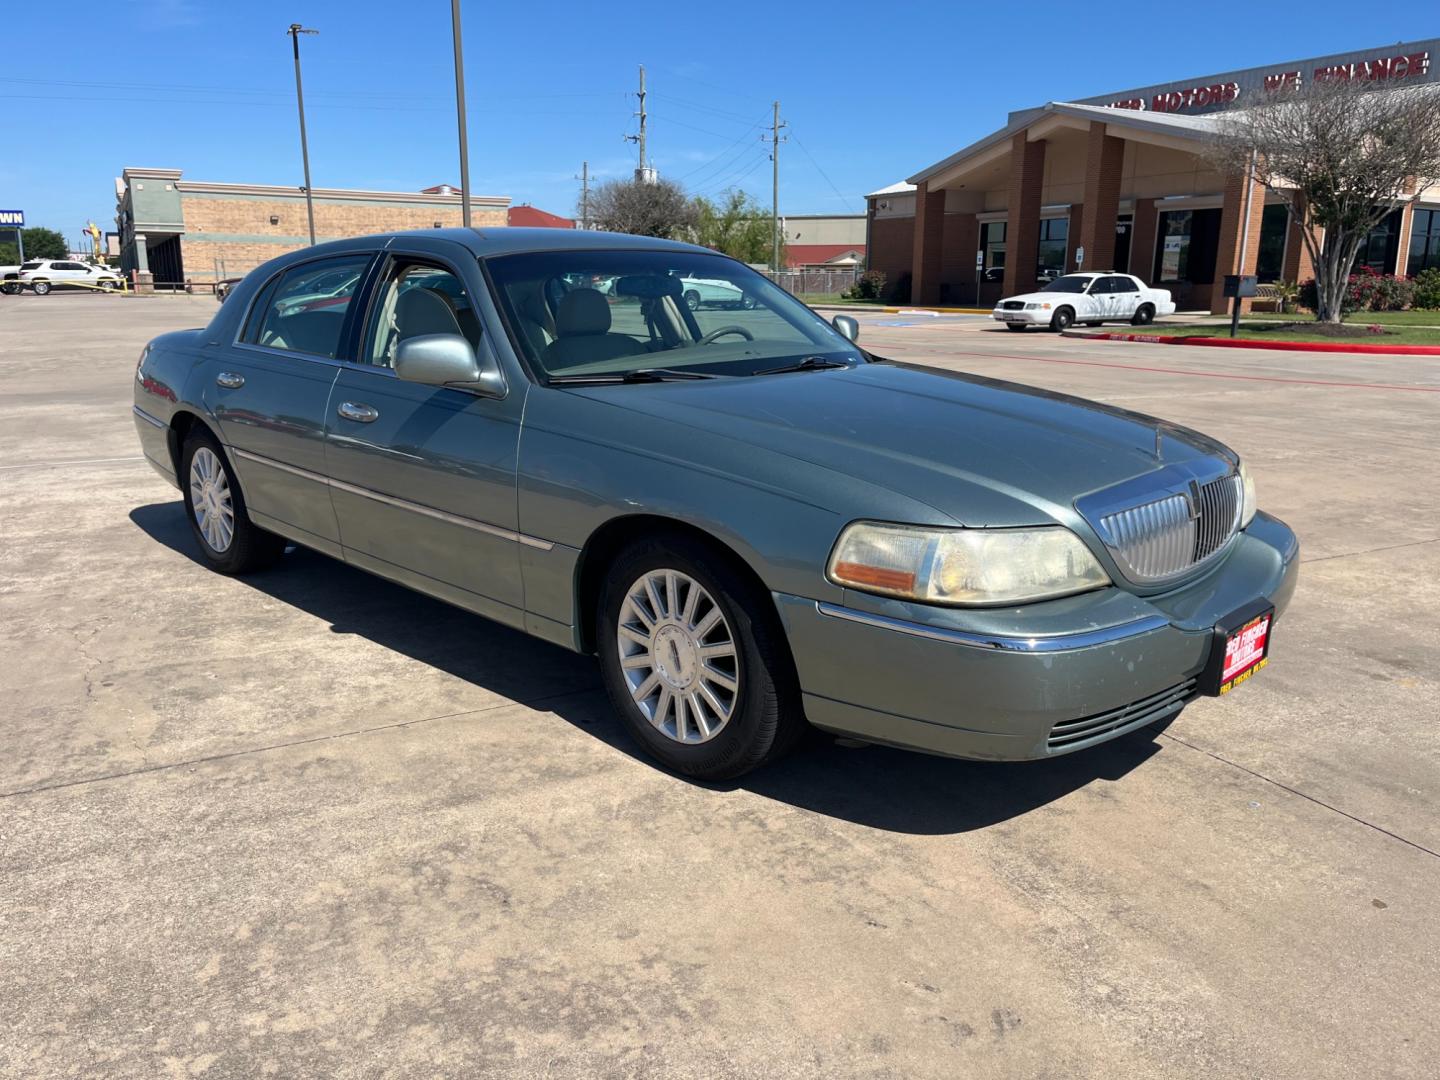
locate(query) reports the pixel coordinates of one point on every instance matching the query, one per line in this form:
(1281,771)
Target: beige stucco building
(182,230)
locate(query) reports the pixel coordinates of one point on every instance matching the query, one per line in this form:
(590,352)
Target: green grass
(1398,335)
(1365,318)
(833,298)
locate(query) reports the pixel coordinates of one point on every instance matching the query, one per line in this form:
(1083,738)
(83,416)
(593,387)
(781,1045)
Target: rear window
(30,266)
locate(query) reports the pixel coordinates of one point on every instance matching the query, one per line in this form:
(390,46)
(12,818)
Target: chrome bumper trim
(1083,639)
(143,415)
(403,504)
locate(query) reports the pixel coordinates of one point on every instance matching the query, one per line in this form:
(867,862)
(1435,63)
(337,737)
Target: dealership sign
(12,219)
(1396,64)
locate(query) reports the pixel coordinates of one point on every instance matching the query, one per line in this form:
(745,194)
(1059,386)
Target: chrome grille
(1168,536)
(1073,734)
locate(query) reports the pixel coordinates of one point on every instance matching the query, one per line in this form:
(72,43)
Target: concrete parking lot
(308,823)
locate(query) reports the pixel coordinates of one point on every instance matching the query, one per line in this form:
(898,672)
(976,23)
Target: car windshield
(606,314)
(1069,283)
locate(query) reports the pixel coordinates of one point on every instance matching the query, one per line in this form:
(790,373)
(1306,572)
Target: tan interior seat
(582,324)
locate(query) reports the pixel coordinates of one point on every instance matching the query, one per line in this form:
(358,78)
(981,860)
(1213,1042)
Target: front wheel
(694,660)
(1062,319)
(215,506)
(1144,316)
(692,299)
(42,288)
(109,286)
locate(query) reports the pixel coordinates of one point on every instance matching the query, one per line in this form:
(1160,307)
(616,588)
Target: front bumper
(952,684)
(1024,318)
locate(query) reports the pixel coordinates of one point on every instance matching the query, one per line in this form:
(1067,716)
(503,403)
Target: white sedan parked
(1091,299)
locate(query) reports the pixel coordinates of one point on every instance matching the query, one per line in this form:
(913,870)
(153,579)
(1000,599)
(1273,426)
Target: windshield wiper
(810,363)
(639,375)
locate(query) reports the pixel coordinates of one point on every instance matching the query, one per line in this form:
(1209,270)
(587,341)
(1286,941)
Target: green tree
(735,225)
(643,208)
(40,243)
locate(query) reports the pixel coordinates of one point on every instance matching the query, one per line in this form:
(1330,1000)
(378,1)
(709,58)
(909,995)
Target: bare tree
(645,208)
(1342,155)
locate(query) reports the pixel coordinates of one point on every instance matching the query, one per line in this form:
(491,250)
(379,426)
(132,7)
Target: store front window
(1186,245)
(1050,255)
(1380,248)
(1274,224)
(1424,242)
(992,241)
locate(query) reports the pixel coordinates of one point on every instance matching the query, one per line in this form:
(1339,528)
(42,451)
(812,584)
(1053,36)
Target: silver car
(753,523)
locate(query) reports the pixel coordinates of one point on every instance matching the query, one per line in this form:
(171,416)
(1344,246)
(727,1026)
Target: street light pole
(295,31)
(460,114)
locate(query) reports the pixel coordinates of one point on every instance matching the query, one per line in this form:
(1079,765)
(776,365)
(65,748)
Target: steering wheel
(722,331)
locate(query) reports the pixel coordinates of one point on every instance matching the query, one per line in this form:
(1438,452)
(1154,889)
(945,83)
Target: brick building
(191,230)
(1124,177)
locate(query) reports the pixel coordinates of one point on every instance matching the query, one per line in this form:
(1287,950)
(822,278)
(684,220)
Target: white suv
(45,274)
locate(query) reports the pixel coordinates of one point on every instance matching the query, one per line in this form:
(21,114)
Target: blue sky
(871,91)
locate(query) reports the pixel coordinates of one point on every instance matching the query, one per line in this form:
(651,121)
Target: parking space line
(1203,374)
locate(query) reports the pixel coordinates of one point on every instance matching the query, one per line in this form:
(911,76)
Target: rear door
(423,477)
(269,390)
(1125,297)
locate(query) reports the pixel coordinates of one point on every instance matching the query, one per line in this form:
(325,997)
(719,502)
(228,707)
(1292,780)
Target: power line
(742,142)
(846,199)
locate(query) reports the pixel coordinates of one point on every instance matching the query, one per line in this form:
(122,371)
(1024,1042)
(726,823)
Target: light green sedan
(753,523)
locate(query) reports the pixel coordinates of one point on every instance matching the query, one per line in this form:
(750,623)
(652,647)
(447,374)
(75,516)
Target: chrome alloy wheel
(210,500)
(679,656)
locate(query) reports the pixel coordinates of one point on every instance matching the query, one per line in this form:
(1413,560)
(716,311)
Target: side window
(304,311)
(418,298)
(1123,285)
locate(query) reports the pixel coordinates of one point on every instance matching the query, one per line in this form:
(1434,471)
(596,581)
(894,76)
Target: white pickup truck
(1091,298)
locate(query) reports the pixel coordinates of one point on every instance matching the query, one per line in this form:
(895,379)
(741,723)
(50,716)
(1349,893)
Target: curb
(926,310)
(1243,343)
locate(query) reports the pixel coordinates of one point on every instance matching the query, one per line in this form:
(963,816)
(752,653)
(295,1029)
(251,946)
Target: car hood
(1051,298)
(979,451)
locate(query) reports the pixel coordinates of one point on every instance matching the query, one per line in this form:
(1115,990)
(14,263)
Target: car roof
(508,240)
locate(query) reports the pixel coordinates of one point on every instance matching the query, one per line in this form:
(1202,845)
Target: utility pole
(775,141)
(295,31)
(642,173)
(584,179)
(460,115)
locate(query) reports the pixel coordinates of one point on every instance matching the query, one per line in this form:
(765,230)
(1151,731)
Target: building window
(1050,255)
(1380,248)
(1274,224)
(1174,246)
(1424,242)
(992,242)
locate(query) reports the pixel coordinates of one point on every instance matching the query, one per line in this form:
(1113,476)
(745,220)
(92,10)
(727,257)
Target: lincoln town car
(754,524)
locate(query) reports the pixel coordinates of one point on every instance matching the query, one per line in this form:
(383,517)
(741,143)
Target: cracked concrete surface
(311,824)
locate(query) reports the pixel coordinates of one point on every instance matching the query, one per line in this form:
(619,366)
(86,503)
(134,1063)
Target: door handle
(230,380)
(361,414)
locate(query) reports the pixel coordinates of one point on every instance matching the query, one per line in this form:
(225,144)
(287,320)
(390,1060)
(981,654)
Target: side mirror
(848,326)
(436,360)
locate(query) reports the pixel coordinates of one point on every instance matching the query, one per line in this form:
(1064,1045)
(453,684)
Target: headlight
(1032,307)
(1247,500)
(963,566)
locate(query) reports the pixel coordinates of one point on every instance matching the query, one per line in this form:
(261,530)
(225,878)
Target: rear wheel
(42,288)
(1062,319)
(215,506)
(1144,315)
(693,658)
(109,285)
(692,299)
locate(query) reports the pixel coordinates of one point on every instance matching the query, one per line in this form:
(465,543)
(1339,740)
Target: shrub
(1365,291)
(868,286)
(1286,293)
(1426,286)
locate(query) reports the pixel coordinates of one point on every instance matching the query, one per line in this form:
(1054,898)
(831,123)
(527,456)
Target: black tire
(109,286)
(1144,315)
(692,299)
(42,288)
(767,719)
(10,288)
(1062,319)
(250,547)
(1018,327)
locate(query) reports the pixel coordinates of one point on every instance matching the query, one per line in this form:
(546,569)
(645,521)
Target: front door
(269,390)
(423,477)
(1124,297)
